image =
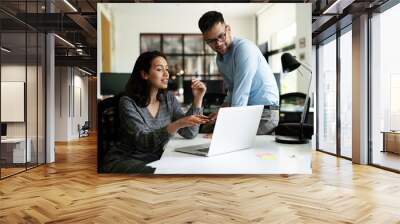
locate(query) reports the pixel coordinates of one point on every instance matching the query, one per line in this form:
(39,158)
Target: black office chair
(107,128)
(287,102)
(295,132)
(84,129)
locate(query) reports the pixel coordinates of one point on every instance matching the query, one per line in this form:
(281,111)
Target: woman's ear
(144,75)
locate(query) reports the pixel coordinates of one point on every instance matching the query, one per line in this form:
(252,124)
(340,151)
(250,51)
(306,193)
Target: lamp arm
(301,137)
(306,66)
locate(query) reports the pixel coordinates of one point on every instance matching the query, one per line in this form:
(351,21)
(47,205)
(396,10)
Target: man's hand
(213,116)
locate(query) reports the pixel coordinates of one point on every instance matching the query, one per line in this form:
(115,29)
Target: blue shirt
(247,75)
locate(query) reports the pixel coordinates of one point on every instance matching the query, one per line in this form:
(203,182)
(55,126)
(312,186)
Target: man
(247,75)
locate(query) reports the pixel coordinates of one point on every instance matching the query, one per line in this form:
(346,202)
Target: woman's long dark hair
(138,88)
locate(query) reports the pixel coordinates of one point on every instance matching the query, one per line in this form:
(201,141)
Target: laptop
(235,129)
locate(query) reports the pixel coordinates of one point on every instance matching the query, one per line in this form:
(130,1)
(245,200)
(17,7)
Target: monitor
(113,83)
(3,129)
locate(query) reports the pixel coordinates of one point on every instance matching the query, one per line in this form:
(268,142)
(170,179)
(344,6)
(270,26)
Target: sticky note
(266,156)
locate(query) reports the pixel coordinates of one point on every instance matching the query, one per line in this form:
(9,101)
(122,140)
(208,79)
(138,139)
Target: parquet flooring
(70,191)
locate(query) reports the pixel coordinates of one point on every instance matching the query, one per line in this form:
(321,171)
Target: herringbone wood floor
(70,191)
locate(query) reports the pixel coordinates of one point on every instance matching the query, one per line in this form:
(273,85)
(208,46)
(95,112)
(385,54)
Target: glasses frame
(221,37)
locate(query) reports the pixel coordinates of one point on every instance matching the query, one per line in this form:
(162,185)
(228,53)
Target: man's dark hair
(209,19)
(138,88)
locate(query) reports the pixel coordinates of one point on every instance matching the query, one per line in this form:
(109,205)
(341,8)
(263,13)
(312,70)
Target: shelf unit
(184,52)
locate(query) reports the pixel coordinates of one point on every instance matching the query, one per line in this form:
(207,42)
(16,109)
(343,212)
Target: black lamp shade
(289,63)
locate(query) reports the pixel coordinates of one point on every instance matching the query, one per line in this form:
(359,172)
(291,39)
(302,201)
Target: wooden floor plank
(70,191)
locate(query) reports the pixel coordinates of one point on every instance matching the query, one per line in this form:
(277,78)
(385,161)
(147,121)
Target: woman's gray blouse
(143,136)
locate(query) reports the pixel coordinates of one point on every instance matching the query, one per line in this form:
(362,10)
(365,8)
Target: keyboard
(203,150)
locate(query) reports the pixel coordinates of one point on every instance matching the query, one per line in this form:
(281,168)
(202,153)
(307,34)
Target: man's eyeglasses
(221,37)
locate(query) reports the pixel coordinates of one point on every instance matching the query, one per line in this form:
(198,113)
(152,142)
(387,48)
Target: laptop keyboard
(203,150)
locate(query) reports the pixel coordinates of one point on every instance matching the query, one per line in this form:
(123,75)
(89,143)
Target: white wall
(273,19)
(17,73)
(62,85)
(304,29)
(33,126)
(129,20)
(101,9)
(274,22)
(80,83)
(68,80)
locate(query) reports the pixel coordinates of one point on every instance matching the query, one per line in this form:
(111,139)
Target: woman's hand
(187,121)
(199,90)
(192,120)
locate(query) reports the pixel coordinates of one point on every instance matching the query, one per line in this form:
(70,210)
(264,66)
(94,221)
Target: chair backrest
(86,125)
(291,107)
(306,109)
(108,128)
(291,99)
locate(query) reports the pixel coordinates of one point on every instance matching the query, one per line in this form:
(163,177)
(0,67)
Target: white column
(50,99)
(360,90)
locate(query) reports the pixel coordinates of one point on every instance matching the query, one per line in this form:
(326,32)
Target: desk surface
(13,140)
(266,157)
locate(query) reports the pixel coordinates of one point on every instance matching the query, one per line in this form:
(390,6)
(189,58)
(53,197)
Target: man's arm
(246,63)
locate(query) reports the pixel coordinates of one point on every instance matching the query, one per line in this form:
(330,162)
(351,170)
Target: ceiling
(76,22)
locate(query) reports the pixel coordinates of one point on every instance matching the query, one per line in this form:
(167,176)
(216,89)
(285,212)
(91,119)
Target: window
(327,96)
(346,94)
(385,89)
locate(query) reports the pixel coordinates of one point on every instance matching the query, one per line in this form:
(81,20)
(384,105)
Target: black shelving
(195,61)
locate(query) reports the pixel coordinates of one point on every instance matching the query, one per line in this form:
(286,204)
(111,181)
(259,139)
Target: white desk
(266,157)
(17,147)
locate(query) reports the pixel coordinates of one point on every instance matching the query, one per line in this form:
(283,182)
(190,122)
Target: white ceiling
(230,10)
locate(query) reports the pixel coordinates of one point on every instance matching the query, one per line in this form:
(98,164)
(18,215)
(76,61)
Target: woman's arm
(187,132)
(199,90)
(137,130)
(195,112)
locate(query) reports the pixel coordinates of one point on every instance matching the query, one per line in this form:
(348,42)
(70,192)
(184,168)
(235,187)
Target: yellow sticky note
(266,156)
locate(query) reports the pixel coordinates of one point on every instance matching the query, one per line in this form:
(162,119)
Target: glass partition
(22,66)
(15,150)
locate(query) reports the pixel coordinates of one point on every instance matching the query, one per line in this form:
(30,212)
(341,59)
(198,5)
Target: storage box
(391,142)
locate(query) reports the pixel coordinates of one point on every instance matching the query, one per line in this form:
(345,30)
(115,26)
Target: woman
(150,116)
